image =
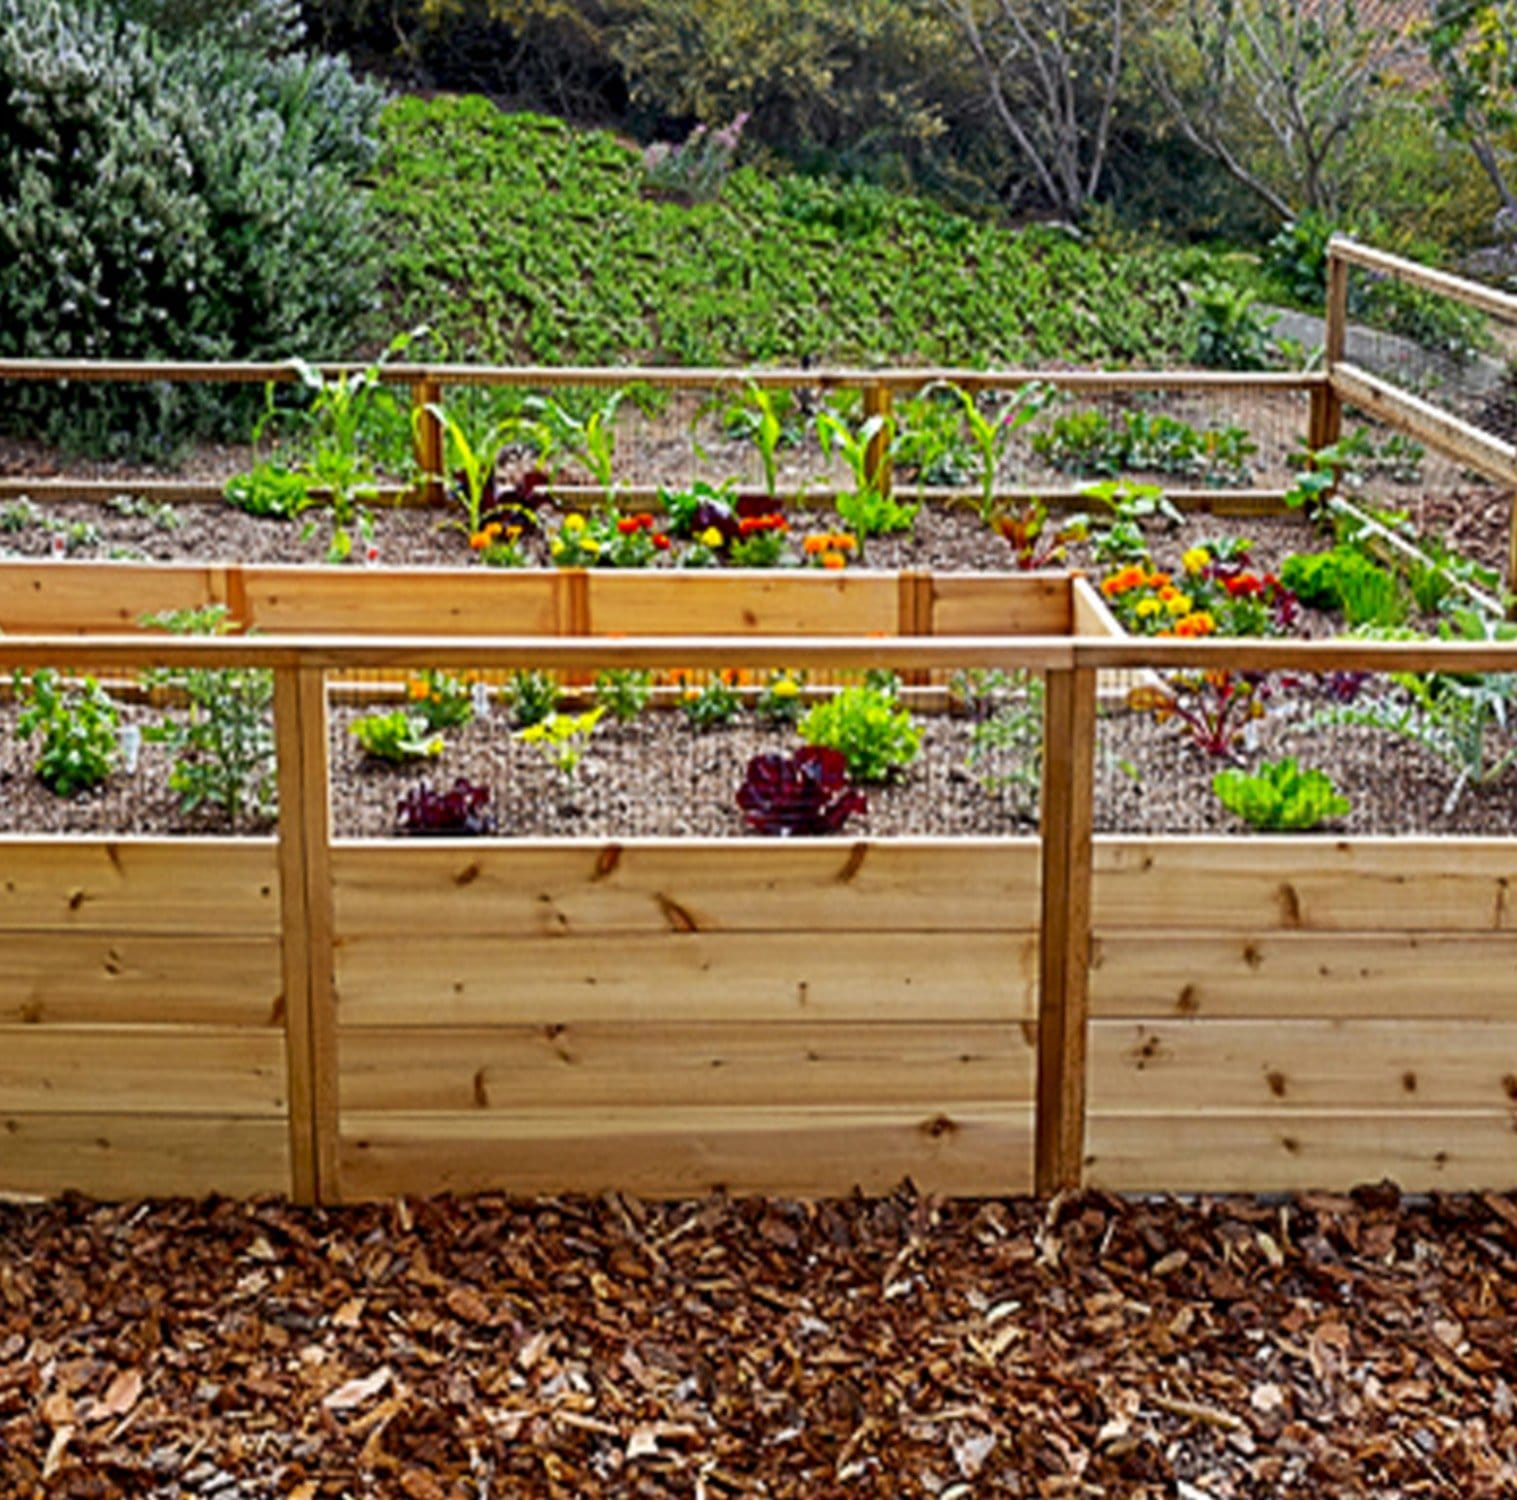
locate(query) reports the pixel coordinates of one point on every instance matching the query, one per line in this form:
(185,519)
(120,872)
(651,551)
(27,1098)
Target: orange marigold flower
(814,544)
(417,689)
(834,560)
(1197,624)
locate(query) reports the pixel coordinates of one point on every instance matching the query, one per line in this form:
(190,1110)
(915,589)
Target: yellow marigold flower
(1176,603)
(1195,559)
(575,522)
(785,687)
(710,537)
(1147,608)
(556,547)
(589,544)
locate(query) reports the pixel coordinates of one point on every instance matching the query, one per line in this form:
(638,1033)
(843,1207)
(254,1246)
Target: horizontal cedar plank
(1169,1067)
(1283,884)
(1001,604)
(188,886)
(418,601)
(500,979)
(1305,974)
(1255,1153)
(925,1066)
(763,603)
(789,886)
(977,1149)
(141,1070)
(53,978)
(69,598)
(132,1156)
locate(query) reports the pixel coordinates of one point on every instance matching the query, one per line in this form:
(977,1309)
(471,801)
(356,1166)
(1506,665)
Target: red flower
(660,542)
(629,525)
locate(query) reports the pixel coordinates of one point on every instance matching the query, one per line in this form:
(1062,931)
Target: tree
(1276,91)
(1473,47)
(1050,69)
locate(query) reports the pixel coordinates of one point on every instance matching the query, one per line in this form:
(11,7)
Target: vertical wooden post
(305,885)
(877,403)
(1326,421)
(914,604)
(427,437)
(1069,733)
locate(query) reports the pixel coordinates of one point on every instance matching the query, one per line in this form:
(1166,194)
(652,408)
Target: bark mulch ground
(903,1346)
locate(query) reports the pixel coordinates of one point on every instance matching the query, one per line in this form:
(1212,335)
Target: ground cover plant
(552,253)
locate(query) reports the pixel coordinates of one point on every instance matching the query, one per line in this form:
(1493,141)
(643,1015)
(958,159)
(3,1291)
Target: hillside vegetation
(520,237)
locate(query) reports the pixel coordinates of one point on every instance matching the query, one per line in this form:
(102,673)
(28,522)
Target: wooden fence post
(877,403)
(1067,813)
(1326,420)
(305,885)
(427,437)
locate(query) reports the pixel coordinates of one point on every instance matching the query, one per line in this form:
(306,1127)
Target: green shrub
(170,195)
(870,727)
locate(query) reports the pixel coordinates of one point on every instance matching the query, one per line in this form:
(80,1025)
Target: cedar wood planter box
(346,1019)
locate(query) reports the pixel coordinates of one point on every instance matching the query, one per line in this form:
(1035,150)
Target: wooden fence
(354,1018)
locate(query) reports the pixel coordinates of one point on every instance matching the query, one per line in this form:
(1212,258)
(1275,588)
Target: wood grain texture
(1263,885)
(131,1156)
(1178,1067)
(224,887)
(151,1070)
(1001,604)
(1305,975)
(768,603)
(49,978)
(580,889)
(1065,930)
(658,1065)
(73,598)
(1328,1150)
(974,1149)
(417,601)
(474,978)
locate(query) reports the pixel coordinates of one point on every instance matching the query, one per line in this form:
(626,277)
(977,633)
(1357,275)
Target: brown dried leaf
(356,1392)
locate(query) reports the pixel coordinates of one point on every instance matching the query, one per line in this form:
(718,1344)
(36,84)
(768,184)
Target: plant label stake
(60,546)
(481,700)
(131,748)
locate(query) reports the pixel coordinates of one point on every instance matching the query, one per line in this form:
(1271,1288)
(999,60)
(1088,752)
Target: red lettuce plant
(460,810)
(796,795)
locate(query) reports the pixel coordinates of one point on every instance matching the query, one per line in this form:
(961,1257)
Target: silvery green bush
(174,185)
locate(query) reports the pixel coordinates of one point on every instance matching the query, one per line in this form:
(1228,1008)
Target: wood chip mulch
(902,1346)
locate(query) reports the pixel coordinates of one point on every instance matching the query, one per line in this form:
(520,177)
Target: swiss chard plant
(800,795)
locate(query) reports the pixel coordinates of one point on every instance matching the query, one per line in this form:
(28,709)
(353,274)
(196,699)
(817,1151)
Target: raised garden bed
(355,1017)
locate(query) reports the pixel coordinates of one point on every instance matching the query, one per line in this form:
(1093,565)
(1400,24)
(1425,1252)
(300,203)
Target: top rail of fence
(663,376)
(1473,293)
(1042,653)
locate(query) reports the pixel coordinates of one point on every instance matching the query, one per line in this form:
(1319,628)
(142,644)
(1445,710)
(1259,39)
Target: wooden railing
(879,389)
(1378,398)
